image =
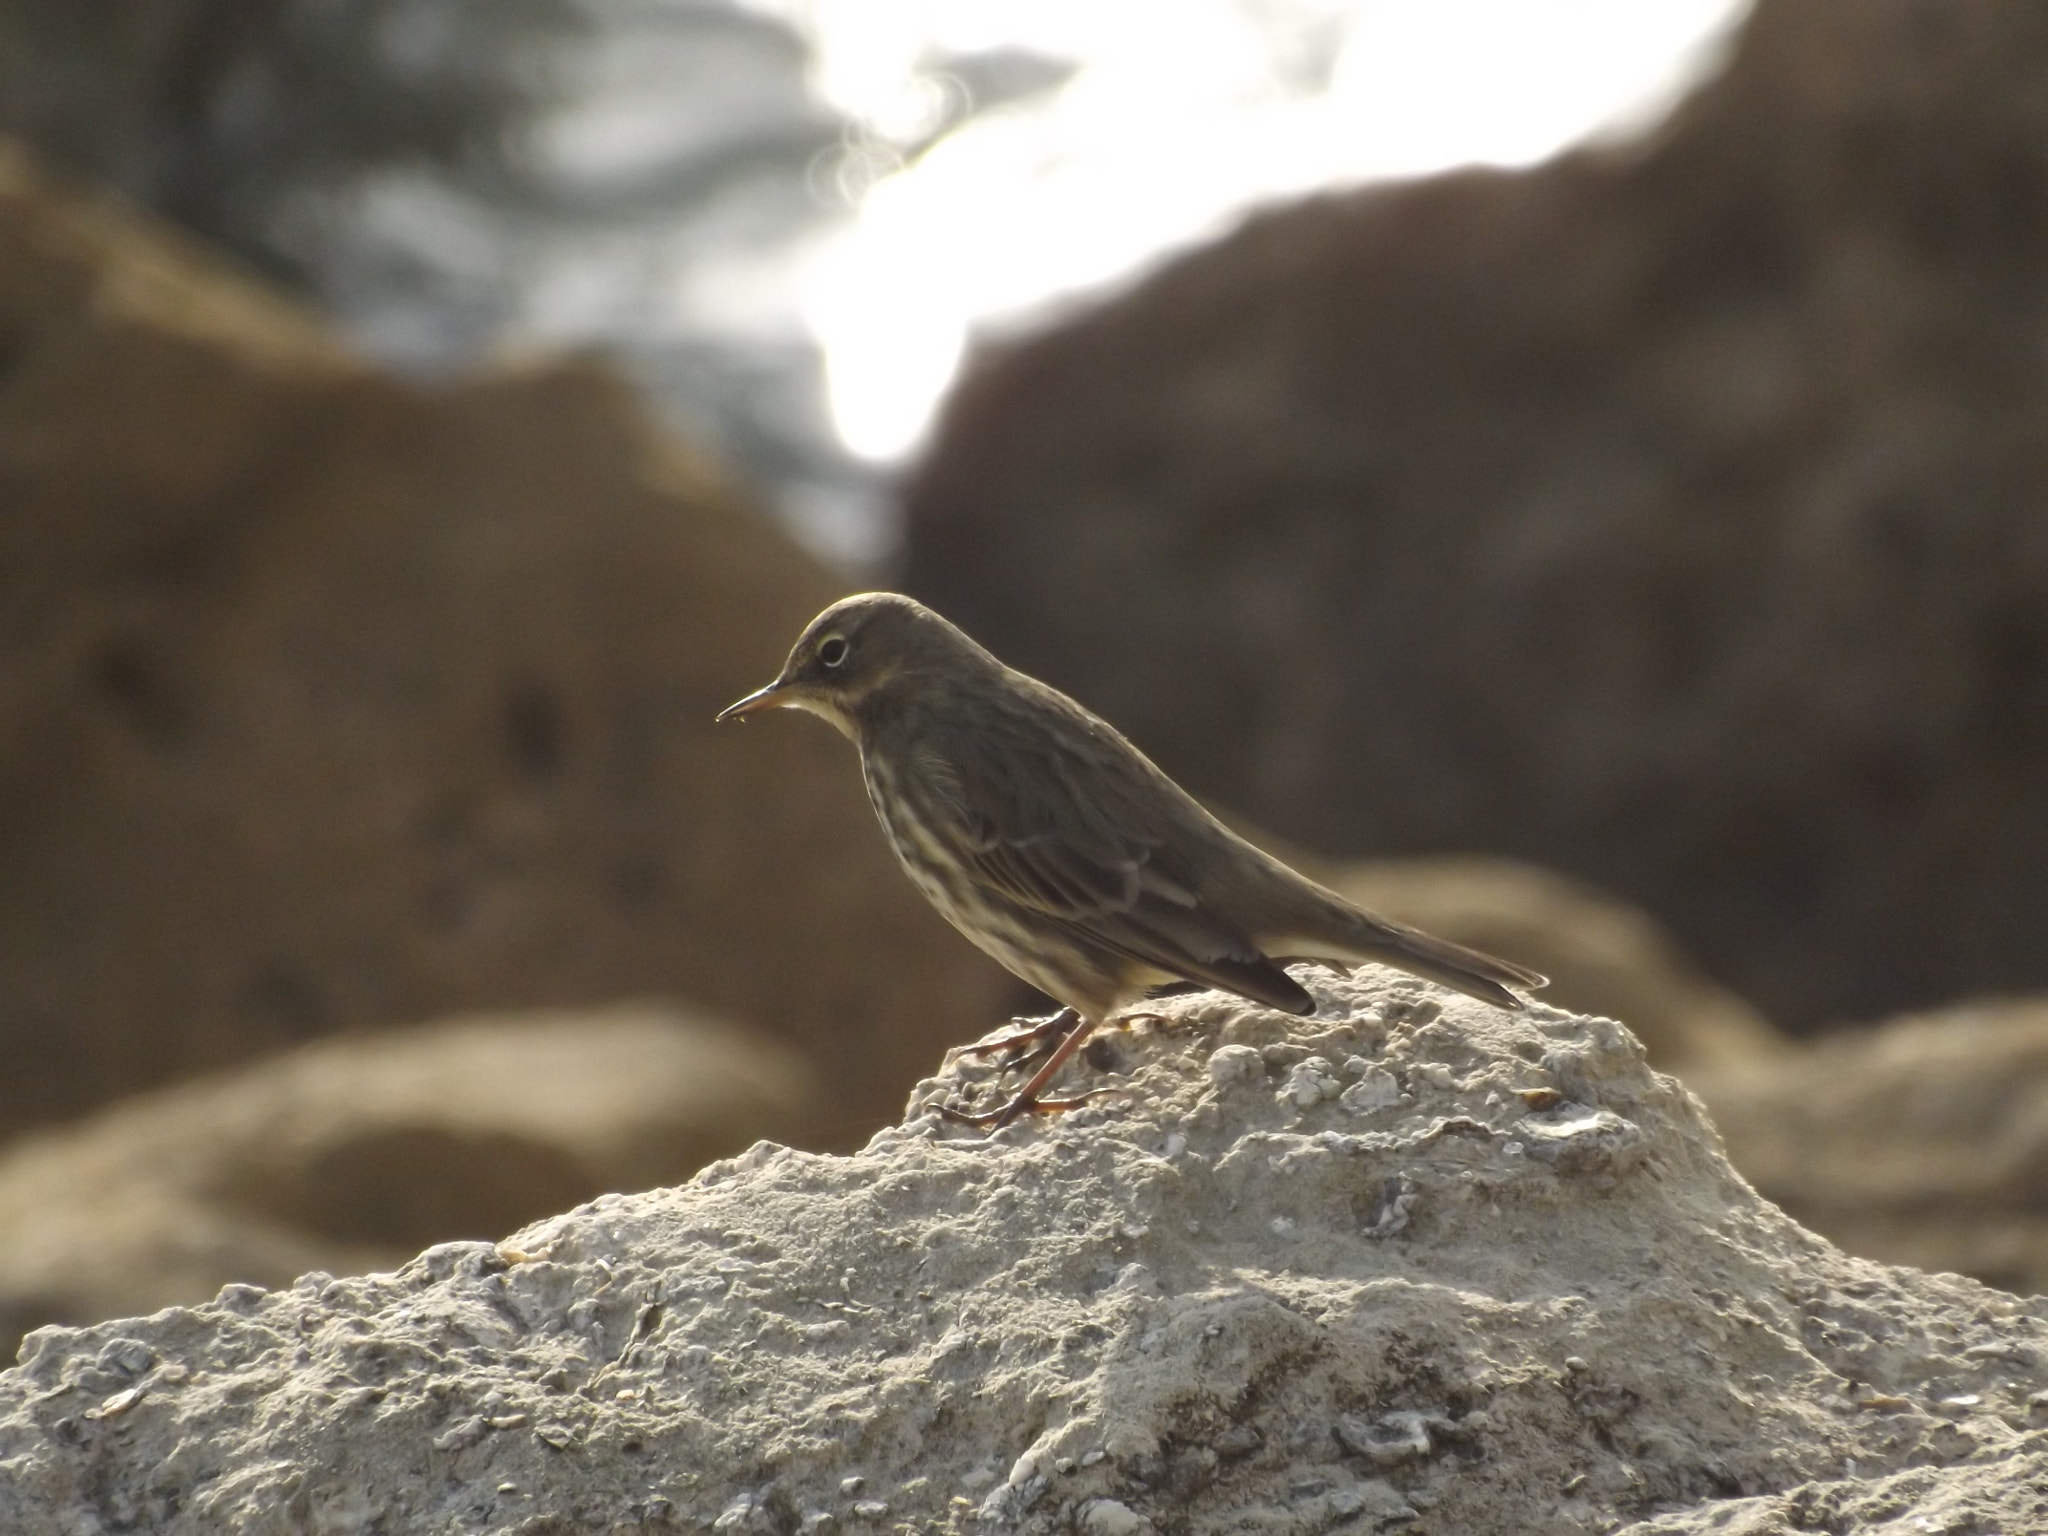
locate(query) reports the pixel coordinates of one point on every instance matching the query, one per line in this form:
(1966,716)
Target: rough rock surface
(326,701)
(1411,1263)
(1923,1141)
(1668,517)
(354,1153)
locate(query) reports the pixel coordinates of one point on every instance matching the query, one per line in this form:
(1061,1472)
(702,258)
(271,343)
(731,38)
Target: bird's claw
(1126,1020)
(1017,1108)
(1037,1038)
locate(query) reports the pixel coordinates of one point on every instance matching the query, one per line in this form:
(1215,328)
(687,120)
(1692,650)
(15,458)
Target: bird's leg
(1053,1028)
(1027,1100)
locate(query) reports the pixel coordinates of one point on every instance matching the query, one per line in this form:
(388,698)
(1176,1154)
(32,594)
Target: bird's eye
(832,650)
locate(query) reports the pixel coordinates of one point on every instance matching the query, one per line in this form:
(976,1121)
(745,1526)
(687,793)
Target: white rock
(1235,1064)
(1108,1517)
(742,1345)
(1376,1088)
(1311,1082)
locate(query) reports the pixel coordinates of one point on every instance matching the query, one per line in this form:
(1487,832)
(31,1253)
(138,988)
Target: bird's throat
(827,711)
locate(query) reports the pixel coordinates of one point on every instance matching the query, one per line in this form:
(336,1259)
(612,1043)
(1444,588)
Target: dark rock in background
(353,1153)
(1672,517)
(1922,1142)
(328,701)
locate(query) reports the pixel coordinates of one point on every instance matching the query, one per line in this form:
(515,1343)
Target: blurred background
(1568,472)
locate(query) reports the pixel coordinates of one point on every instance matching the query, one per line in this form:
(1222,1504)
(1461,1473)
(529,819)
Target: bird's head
(859,653)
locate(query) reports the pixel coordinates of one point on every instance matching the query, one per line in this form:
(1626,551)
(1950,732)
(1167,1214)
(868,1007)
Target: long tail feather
(1466,970)
(1367,937)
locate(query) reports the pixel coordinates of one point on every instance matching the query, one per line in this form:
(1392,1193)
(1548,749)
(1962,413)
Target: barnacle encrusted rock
(1514,1287)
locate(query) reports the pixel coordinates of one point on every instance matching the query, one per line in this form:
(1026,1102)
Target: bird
(1058,848)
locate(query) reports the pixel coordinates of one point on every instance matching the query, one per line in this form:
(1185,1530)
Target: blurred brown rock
(326,700)
(1668,516)
(1602,956)
(351,1154)
(1923,1142)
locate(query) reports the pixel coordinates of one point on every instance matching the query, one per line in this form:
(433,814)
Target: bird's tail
(1466,970)
(1366,936)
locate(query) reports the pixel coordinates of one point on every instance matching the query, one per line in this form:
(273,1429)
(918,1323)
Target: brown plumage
(1056,846)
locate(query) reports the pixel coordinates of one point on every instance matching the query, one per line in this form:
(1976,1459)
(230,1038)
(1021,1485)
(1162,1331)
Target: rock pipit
(1057,847)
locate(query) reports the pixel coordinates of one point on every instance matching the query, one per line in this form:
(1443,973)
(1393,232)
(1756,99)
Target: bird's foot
(1126,1020)
(1067,1030)
(1023,1104)
(1037,1037)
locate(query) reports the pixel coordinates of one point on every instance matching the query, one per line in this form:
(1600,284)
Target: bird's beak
(770,697)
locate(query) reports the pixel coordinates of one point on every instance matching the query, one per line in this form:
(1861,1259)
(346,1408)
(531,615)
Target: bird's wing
(1046,820)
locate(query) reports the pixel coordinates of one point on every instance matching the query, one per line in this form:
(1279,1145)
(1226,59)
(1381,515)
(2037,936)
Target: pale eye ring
(832,650)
